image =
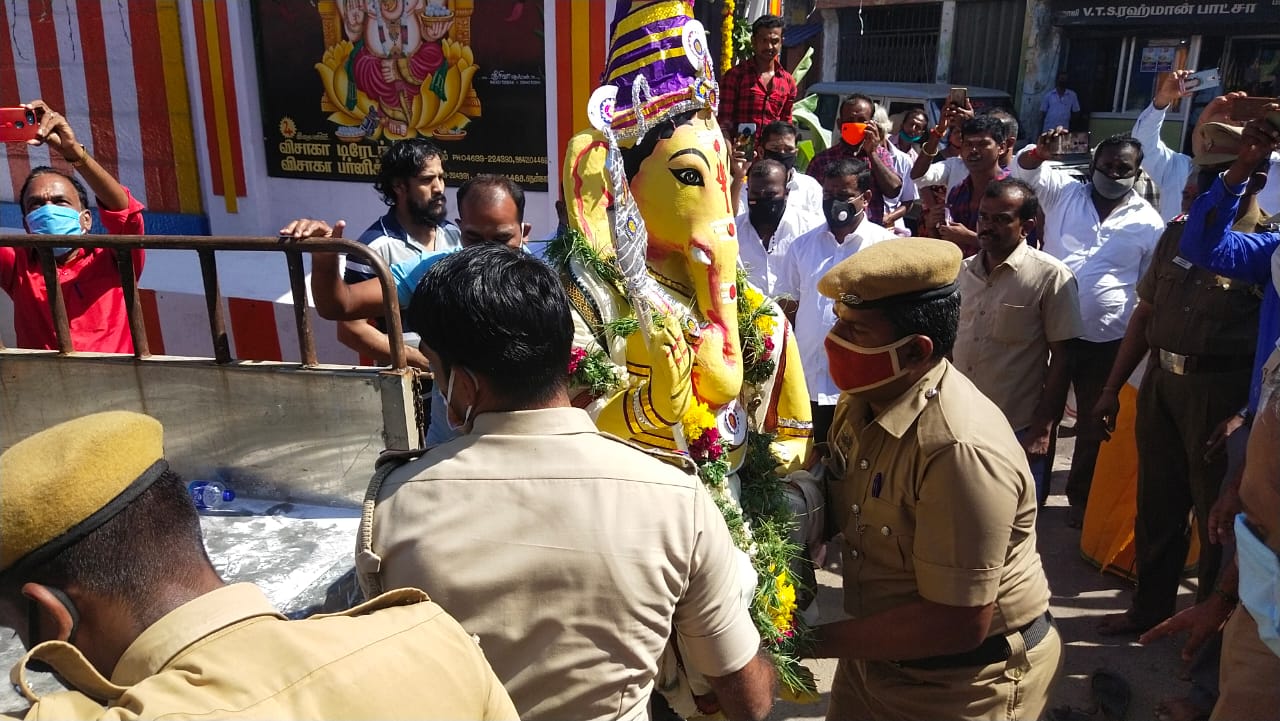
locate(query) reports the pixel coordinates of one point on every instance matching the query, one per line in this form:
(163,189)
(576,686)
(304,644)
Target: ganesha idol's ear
(586,188)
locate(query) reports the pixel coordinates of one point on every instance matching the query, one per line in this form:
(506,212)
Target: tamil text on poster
(342,79)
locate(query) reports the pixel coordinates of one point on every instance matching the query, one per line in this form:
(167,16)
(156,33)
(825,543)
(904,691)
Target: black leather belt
(993,650)
(1182,365)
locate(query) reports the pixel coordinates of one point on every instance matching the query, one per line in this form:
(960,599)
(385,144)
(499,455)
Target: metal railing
(205,247)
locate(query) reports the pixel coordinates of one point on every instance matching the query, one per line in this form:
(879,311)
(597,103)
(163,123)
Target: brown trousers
(1249,677)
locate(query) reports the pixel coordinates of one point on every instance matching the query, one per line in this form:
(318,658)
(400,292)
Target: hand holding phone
(18,125)
(746,138)
(1203,80)
(1251,108)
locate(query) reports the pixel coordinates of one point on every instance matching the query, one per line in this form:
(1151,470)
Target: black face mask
(840,213)
(788,160)
(766,213)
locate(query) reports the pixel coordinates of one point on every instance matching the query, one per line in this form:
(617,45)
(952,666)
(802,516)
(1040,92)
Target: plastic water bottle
(209,495)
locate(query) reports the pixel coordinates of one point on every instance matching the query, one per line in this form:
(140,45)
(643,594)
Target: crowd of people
(938,369)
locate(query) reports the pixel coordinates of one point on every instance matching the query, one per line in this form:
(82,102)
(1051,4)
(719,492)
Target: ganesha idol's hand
(672,363)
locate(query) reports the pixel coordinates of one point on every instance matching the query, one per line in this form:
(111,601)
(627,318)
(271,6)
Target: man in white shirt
(1059,106)
(804,194)
(769,226)
(1106,234)
(1172,172)
(846,190)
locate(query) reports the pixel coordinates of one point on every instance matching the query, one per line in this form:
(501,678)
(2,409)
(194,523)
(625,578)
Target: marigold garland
(726,37)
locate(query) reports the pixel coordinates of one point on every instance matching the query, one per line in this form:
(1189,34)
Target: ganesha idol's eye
(688,176)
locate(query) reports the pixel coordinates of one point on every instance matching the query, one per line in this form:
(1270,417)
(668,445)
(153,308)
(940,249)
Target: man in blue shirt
(1209,242)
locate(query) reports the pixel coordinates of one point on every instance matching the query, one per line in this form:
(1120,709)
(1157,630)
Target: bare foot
(1120,624)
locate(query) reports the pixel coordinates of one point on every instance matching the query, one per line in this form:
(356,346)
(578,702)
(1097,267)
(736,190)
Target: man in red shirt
(54,202)
(758,91)
(869,148)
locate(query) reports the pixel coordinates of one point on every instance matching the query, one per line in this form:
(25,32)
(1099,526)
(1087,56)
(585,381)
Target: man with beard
(411,182)
(490,209)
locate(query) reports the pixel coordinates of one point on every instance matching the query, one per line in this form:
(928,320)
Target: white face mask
(1259,583)
(448,395)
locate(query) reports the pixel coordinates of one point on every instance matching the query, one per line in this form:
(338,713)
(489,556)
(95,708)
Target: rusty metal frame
(206,247)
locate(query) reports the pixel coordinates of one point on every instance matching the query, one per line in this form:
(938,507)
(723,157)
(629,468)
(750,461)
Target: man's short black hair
(1008,118)
(500,182)
(1119,142)
(767,22)
(1030,204)
(401,161)
(45,170)
(777,127)
(855,97)
(761,168)
(153,539)
(984,125)
(845,167)
(915,110)
(938,318)
(501,313)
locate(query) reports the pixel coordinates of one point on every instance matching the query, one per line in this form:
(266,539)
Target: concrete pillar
(946,39)
(1041,43)
(830,60)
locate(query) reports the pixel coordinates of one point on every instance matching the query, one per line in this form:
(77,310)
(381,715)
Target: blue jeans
(1041,467)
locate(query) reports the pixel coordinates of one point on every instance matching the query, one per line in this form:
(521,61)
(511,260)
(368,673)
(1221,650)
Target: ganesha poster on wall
(342,79)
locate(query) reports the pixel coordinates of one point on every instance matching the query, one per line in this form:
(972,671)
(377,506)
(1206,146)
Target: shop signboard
(343,79)
(1164,12)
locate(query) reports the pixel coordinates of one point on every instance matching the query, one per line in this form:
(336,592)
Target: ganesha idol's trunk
(713,270)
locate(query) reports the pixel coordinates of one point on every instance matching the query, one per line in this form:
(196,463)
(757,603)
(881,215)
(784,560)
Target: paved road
(1080,595)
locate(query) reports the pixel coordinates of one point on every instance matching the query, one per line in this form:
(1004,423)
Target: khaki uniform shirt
(572,555)
(1197,312)
(230,654)
(938,504)
(1008,318)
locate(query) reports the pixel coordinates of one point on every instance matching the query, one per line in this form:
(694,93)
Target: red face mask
(852,133)
(856,369)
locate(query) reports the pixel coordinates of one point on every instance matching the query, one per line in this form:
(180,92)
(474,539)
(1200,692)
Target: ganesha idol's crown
(659,67)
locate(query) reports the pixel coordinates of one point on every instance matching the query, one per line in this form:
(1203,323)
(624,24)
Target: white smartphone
(1203,80)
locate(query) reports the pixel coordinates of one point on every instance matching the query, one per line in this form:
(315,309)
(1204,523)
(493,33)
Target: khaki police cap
(63,483)
(894,271)
(1216,144)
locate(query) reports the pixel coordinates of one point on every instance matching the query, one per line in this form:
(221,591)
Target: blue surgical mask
(1259,583)
(52,219)
(448,394)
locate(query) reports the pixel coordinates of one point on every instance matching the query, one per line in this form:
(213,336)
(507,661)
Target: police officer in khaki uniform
(104,576)
(573,556)
(1200,329)
(937,506)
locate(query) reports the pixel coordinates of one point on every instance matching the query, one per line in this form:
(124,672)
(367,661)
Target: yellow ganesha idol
(399,69)
(674,350)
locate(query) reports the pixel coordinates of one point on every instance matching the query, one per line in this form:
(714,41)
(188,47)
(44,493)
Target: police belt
(993,650)
(1179,364)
